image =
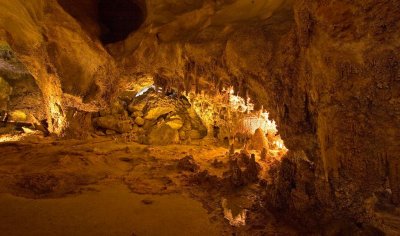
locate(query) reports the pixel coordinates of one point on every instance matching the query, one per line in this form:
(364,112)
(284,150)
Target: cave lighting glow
(58,121)
(144,90)
(254,120)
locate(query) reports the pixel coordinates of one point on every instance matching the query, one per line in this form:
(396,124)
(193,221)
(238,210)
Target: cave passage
(118,19)
(199,117)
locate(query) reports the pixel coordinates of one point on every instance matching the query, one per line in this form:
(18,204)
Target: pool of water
(113,210)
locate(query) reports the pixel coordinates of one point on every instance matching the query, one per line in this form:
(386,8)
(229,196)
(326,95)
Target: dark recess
(119,18)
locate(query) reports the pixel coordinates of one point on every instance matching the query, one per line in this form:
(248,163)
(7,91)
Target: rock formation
(328,71)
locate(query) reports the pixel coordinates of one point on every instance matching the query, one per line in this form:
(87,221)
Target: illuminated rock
(112,123)
(110,132)
(182,135)
(156,112)
(137,114)
(258,141)
(137,106)
(18,116)
(195,134)
(263,155)
(175,122)
(163,135)
(139,121)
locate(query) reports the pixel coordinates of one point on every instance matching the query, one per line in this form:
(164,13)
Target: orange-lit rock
(311,86)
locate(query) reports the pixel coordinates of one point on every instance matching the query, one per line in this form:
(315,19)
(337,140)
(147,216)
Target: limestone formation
(236,175)
(252,170)
(310,86)
(259,141)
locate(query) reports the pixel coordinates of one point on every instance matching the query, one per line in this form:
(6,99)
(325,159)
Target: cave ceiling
(175,40)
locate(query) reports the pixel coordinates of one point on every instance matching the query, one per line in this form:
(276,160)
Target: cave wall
(344,92)
(59,54)
(326,70)
(19,91)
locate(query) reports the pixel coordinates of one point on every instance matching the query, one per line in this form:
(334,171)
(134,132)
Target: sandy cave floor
(104,186)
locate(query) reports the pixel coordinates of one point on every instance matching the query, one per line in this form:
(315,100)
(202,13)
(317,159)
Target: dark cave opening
(119,18)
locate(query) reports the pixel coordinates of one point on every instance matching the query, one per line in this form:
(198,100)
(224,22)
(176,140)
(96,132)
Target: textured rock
(137,106)
(139,121)
(18,88)
(163,135)
(113,123)
(160,109)
(137,114)
(236,175)
(45,38)
(326,70)
(175,122)
(5,92)
(18,116)
(259,141)
(110,132)
(252,170)
(188,164)
(345,91)
(117,108)
(156,112)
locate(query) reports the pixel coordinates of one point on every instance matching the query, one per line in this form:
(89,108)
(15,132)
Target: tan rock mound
(259,141)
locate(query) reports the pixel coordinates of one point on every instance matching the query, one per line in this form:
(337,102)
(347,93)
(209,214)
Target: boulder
(117,108)
(182,135)
(18,116)
(137,106)
(156,112)
(110,132)
(163,135)
(127,96)
(175,122)
(112,123)
(137,114)
(139,121)
(135,129)
(196,134)
(100,133)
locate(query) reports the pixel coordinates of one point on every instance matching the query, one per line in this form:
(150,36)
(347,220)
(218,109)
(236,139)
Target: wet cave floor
(105,186)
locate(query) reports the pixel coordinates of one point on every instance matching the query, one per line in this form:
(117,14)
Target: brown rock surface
(163,135)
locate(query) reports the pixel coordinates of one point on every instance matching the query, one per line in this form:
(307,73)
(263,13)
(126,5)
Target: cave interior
(199,117)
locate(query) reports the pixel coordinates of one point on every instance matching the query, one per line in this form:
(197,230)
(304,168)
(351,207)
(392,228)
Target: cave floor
(105,186)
